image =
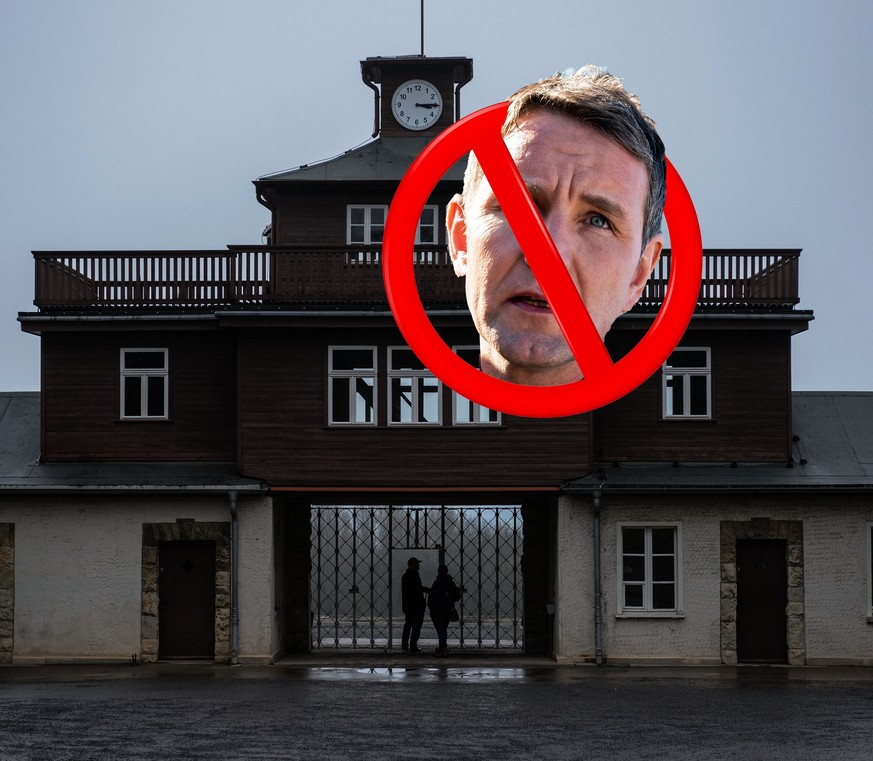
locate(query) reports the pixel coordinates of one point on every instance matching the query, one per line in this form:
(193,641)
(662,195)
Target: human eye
(598,220)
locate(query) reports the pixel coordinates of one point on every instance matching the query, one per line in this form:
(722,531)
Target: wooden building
(234,453)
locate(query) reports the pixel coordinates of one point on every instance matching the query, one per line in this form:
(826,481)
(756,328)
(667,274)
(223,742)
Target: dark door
(186,600)
(762,598)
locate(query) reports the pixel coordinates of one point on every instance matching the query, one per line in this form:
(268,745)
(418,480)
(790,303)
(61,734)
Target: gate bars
(359,554)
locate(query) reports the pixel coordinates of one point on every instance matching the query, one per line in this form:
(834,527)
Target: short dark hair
(597,99)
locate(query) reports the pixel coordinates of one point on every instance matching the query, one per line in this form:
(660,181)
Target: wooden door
(762,599)
(186,600)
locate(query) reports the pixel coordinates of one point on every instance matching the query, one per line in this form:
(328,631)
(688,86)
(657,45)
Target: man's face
(591,194)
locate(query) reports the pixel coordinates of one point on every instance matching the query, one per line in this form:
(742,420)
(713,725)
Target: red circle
(483,127)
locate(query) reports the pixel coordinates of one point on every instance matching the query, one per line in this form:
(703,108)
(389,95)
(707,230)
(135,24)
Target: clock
(416,104)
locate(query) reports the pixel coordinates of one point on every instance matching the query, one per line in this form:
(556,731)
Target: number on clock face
(416,104)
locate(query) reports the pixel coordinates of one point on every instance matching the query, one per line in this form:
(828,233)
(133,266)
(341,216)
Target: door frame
(763,528)
(184,530)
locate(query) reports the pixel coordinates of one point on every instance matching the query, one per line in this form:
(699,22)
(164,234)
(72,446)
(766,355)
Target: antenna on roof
(422,28)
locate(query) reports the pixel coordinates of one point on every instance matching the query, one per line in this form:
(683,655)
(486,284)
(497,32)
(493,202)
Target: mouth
(531,303)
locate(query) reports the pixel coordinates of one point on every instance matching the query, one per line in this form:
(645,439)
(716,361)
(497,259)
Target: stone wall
(184,530)
(763,528)
(7,590)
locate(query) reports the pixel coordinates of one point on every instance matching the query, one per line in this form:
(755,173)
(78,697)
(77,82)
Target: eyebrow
(607,205)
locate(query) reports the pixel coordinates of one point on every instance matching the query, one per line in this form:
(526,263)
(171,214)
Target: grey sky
(140,125)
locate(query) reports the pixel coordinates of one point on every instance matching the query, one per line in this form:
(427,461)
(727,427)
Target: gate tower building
(233,453)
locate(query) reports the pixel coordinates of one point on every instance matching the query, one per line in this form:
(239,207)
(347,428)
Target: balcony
(259,276)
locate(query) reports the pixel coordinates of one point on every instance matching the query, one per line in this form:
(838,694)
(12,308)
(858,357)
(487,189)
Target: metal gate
(359,554)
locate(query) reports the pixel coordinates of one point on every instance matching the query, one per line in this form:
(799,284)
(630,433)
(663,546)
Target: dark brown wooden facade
(248,331)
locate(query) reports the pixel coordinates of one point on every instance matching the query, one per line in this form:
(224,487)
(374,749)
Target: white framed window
(351,379)
(365,225)
(427,233)
(686,384)
(144,384)
(649,570)
(870,573)
(465,412)
(414,393)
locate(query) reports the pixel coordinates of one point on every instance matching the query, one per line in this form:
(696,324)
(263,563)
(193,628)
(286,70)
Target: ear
(645,266)
(456,227)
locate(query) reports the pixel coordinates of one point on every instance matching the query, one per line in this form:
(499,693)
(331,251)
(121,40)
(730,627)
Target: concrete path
(377,708)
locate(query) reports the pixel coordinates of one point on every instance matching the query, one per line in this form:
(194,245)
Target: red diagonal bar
(542,256)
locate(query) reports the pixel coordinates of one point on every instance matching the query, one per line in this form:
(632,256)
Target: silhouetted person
(413,605)
(441,601)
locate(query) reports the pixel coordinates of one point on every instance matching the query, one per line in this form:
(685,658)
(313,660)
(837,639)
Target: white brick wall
(835,558)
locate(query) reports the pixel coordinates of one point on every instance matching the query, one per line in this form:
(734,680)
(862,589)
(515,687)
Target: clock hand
(426,105)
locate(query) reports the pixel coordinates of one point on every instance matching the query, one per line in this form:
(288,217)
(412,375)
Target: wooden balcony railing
(263,275)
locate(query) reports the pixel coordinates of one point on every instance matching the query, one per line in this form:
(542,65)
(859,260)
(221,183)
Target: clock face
(416,104)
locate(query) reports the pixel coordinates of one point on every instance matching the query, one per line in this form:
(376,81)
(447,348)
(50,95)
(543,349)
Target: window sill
(671,614)
(138,420)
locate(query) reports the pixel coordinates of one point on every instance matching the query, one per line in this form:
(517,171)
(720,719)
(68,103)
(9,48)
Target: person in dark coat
(443,595)
(413,605)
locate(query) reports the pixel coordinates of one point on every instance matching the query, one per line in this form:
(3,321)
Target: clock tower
(343,201)
(415,95)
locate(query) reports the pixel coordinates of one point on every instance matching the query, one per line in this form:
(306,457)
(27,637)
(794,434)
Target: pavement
(422,707)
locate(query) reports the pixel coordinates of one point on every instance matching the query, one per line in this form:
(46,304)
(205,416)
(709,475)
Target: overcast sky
(140,124)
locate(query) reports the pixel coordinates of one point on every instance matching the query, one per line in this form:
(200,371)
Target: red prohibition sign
(603,381)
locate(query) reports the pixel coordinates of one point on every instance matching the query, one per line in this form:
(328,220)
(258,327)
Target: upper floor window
(365,225)
(465,412)
(144,384)
(357,378)
(352,385)
(686,384)
(650,562)
(414,394)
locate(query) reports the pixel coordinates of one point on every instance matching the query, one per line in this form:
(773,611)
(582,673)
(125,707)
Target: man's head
(595,168)
(413,563)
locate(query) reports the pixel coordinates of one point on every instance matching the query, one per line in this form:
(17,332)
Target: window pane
(687,359)
(401,400)
(633,596)
(144,360)
(633,569)
(405,359)
(340,400)
(427,217)
(698,403)
(663,596)
(353,359)
(155,396)
(363,400)
(663,541)
(377,215)
(673,396)
(428,401)
(356,215)
(633,541)
(376,234)
(425,235)
(464,410)
(469,355)
(356,234)
(663,568)
(132,396)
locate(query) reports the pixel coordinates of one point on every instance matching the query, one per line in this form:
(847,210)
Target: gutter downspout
(369,82)
(234,580)
(458,86)
(598,593)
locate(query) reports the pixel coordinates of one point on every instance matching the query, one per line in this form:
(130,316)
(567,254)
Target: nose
(560,230)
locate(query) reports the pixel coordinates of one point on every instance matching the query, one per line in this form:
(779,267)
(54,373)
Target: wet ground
(424,708)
